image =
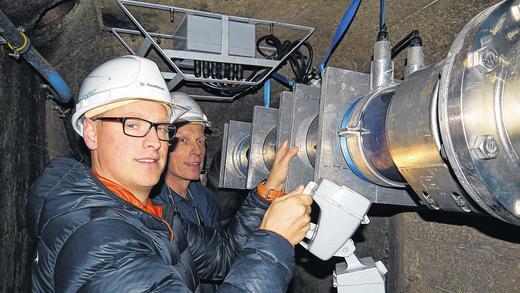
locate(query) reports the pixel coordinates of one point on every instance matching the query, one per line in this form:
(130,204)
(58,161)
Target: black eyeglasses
(137,127)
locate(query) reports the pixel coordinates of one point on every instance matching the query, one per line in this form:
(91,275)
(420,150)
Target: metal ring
(22,47)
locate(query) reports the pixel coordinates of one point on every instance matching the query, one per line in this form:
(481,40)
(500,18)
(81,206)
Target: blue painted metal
(267,93)
(343,143)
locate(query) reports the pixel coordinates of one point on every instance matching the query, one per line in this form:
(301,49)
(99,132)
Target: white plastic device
(342,210)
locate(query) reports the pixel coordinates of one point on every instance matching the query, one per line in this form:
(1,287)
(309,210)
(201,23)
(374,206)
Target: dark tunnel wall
(23,155)
(424,252)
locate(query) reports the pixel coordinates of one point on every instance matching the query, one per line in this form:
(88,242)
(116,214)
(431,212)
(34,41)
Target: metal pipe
(21,46)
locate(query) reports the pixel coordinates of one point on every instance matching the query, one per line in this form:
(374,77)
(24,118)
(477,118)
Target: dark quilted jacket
(90,240)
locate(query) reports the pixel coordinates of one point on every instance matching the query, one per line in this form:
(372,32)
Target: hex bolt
(491,147)
(489,58)
(485,147)
(484,59)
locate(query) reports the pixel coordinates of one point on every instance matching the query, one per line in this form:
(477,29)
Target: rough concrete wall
(22,157)
(442,252)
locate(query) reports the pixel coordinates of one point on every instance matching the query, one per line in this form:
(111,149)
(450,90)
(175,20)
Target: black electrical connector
(205,69)
(240,72)
(412,39)
(213,69)
(382,35)
(226,70)
(219,70)
(197,68)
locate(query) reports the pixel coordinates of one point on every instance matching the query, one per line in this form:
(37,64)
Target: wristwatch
(268,193)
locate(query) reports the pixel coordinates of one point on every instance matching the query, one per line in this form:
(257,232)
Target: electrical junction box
(204,34)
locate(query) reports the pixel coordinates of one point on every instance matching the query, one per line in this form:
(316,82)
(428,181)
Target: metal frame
(177,75)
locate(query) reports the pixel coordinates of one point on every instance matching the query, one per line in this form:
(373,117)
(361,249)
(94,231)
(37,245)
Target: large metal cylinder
(451,131)
(364,141)
(479,107)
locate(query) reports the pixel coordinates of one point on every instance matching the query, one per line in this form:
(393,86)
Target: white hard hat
(185,109)
(117,82)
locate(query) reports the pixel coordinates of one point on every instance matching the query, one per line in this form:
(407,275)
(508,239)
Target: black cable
(301,64)
(412,39)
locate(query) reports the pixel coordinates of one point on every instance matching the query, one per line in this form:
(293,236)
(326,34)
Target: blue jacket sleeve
(214,251)
(266,264)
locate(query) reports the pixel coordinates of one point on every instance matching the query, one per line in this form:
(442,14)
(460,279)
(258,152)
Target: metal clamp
(18,51)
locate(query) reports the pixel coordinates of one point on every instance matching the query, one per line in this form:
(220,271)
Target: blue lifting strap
(341,30)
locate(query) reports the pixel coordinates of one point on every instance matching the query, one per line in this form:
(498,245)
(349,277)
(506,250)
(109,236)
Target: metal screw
(430,200)
(489,58)
(485,59)
(491,146)
(485,147)
(459,199)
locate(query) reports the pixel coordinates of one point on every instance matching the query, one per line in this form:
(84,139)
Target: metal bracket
(340,88)
(263,141)
(305,109)
(181,59)
(235,148)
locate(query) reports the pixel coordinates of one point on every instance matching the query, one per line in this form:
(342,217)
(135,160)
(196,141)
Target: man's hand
(289,216)
(280,169)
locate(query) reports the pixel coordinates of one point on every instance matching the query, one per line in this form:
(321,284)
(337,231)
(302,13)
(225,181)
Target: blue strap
(382,14)
(267,93)
(341,29)
(282,79)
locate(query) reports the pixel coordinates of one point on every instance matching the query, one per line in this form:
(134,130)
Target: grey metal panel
(284,117)
(235,146)
(340,88)
(265,120)
(305,108)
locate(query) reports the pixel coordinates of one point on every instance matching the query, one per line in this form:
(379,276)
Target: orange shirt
(127,196)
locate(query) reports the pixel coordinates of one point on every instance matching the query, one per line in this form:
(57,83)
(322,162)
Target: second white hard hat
(186,109)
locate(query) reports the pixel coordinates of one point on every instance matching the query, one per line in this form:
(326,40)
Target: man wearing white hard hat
(182,187)
(96,230)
